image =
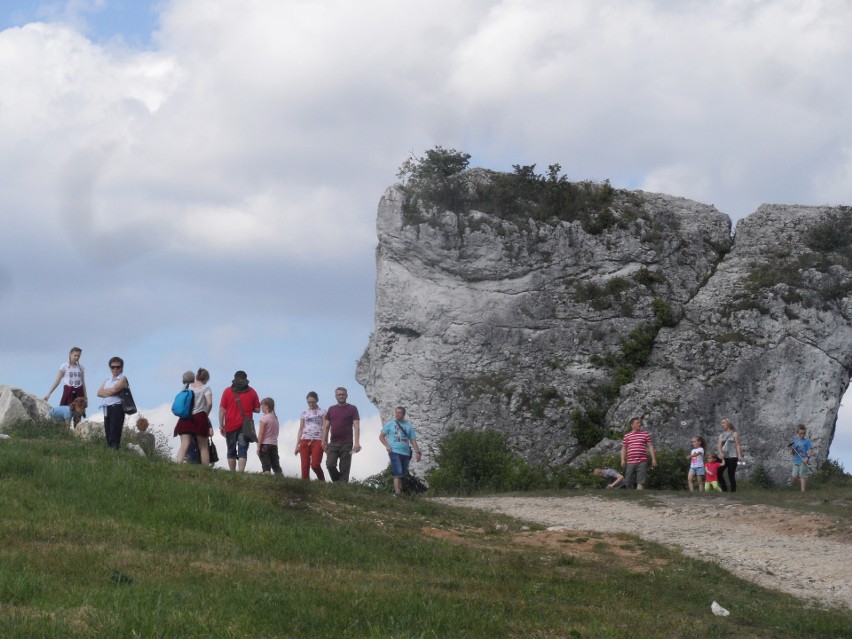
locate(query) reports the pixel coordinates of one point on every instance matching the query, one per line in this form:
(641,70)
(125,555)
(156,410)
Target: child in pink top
(711,470)
(267,437)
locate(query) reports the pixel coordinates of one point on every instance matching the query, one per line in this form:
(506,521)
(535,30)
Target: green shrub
(760,478)
(438,179)
(468,461)
(588,425)
(671,471)
(383,481)
(831,473)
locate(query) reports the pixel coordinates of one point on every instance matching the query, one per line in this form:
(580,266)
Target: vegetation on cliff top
(440,180)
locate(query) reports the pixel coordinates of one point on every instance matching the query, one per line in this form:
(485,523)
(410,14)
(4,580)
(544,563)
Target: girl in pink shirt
(267,437)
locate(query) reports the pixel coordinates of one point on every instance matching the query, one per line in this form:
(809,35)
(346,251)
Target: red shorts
(198,424)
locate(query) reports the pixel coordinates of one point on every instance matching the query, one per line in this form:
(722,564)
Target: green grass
(95,543)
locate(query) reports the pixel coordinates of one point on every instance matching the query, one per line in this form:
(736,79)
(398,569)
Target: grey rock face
(767,343)
(16,405)
(542,329)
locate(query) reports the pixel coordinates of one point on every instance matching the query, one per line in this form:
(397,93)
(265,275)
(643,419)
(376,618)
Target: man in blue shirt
(399,439)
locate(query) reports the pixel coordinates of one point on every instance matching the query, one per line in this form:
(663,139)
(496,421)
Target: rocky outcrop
(555,331)
(767,342)
(17,405)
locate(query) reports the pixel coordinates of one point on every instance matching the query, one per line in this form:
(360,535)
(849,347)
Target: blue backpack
(184,401)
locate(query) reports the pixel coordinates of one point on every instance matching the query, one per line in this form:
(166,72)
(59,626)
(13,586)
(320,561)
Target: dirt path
(806,555)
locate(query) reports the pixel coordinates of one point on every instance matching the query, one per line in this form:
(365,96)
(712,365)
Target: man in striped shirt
(635,448)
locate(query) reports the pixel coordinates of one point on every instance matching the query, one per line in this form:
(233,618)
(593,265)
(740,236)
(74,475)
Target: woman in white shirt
(113,411)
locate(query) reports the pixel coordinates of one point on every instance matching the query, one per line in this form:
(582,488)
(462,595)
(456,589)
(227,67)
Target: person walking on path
(231,418)
(635,448)
(696,464)
(711,469)
(801,449)
(399,439)
(309,438)
(341,436)
(729,450)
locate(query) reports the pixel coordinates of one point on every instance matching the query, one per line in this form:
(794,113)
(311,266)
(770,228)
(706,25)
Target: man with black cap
(239,396)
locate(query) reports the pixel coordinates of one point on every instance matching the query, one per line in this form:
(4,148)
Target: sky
(190,183)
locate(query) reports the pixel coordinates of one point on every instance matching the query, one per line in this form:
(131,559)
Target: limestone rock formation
(554,329)
(767,342)
(16,404)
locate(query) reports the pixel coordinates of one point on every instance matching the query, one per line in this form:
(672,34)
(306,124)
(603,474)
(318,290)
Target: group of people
(335,432)
(637,447)
(705,467)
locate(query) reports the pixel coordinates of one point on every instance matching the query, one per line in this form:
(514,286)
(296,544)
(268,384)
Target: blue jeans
(237,445)
(399,464)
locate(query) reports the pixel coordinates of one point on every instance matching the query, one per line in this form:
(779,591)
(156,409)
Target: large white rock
(483,322)
(16,404)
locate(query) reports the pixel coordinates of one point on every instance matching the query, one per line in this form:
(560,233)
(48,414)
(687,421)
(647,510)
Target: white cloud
(177,202)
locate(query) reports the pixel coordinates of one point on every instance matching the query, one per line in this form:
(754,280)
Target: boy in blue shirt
(801,449)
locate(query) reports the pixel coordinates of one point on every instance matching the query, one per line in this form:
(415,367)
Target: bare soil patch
(804,554)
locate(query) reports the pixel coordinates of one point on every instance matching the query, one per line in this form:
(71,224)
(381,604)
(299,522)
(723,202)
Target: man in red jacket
(231,418)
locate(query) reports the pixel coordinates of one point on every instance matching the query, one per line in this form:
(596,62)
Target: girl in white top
(309,439)
(72,376)
(696,464)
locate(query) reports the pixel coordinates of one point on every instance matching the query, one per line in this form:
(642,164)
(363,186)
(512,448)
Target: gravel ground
(806,555)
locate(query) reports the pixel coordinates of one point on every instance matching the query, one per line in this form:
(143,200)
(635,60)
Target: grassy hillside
(103,544)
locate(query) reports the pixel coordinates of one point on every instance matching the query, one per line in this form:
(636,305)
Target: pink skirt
(198,424)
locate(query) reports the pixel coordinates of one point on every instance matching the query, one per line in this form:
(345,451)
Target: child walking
(711,470)
(801,449)
(696,464)
(267,437)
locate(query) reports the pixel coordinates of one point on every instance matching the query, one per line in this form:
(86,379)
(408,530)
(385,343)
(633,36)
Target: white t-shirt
(697,458)
(313,423)
(72,375)
(199,399)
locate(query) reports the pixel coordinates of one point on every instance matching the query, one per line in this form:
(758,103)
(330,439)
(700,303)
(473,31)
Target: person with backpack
(192,406)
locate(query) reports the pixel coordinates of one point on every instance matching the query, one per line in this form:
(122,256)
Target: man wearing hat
(239,396)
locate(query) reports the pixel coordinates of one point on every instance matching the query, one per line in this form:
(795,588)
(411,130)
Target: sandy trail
(806,555)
